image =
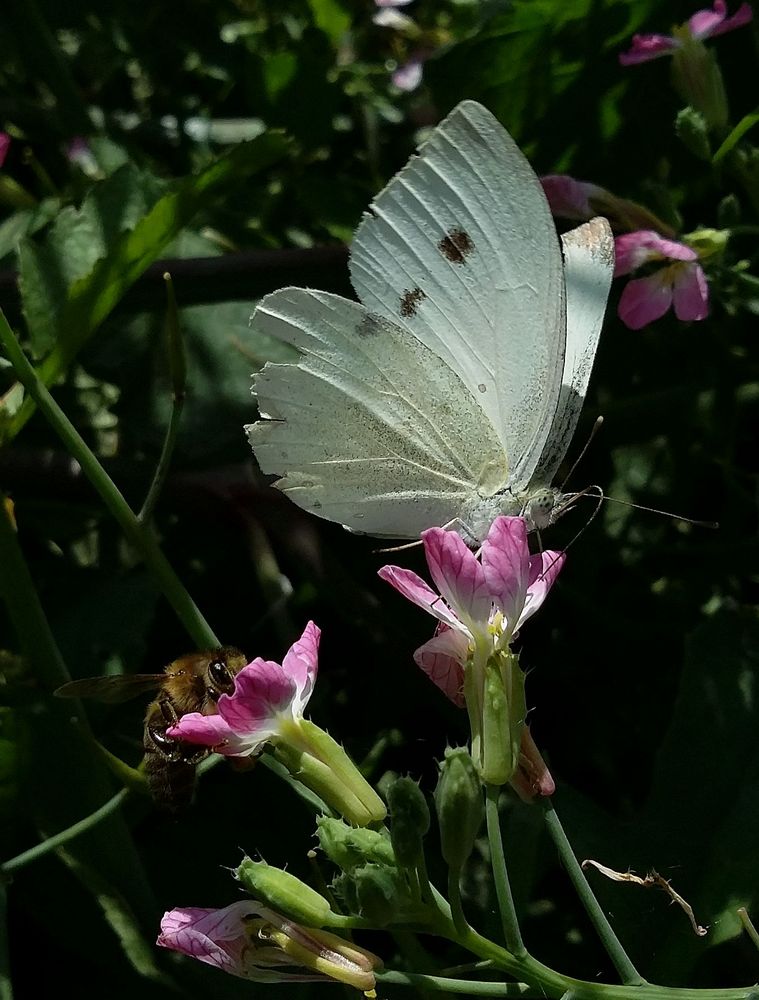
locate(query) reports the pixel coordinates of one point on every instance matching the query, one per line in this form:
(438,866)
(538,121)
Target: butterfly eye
(538,510)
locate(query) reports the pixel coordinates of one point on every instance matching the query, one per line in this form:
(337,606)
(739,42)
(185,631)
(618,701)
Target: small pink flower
(484,601)
(570,199)
(252,941)
(408,76)
(266,695)
(681,283)
(5,141)
(703,24)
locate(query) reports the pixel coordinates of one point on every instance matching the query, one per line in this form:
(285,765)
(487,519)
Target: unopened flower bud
(459,806)
(410,821)
(698,79)
(284,892)
(691,129)
(350,848)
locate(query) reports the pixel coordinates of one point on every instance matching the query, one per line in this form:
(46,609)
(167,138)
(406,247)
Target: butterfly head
(539,509)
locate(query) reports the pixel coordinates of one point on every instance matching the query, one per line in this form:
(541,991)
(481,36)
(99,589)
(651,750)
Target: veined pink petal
(544,568)
(418,592)
(505,563)
(442,659)
(644,300)
(216,937)
(632,250)
(262,690)
(301,664)
(458,574)
(742,16)
(690,295)
(647,47)
(215,732)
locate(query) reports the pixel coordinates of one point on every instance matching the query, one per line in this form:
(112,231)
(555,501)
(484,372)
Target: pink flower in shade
(408,76)
(5,141)
(703,24)
(681,283)
(570,199)
(249,940)
(484,601)
(266,695)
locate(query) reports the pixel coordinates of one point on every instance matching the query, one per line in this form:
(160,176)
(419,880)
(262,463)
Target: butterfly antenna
(714,525)
(588,491)
(595,429)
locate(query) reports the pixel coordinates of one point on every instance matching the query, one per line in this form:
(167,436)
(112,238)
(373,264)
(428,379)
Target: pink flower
(484,601)
(681,283)
(266,696)
(5,141)
(569,198)
(249,940)
(703,24)
(408,76)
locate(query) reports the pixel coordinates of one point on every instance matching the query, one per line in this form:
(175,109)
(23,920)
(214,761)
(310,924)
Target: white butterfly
(451,393)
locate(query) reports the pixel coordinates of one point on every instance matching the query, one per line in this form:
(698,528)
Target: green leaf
(330,17)
(746,123)
(93,296)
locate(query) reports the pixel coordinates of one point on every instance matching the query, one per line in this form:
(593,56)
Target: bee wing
(111,689)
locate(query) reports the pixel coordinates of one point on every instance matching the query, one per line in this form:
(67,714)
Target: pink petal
(262,691)
(647,47)
(704,23)
(442,659)
(544,568)
(531,777)
(216,937)
(416,590)
(213,731)
(644,300)
(568,198)
(691,293)
(301,664)
(742,16)
(505,563)
(632,250)
(5,141)
(408,76)
(458,574)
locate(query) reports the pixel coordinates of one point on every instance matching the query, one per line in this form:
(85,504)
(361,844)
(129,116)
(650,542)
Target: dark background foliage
(642,668)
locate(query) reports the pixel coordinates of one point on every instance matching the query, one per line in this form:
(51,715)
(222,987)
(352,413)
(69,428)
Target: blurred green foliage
(643,669)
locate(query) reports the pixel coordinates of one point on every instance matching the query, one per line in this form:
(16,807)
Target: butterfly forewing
(460,248)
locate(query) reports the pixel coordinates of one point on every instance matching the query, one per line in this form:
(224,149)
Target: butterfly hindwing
(369,427)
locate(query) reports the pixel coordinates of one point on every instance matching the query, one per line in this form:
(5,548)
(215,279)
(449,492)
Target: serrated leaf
(91,298)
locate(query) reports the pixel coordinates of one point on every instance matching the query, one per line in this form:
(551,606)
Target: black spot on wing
(410,301)
(456,245)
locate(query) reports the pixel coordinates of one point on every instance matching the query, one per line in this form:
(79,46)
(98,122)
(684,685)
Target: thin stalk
(748,925)
(143,541)
(468,987)
(454,898)
(511,932)
(6,988)
(178,372)
(63,836)
(627,971)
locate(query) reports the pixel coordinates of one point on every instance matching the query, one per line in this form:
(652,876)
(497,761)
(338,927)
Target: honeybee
(193,683)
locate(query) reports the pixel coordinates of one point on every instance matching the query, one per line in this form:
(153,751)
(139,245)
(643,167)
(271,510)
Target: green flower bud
(503,713)
(459,805)
(284,892)
(350,848)
(410,818)
(691,129)
(729,212)
(381,894)
(707,242)
(698,79)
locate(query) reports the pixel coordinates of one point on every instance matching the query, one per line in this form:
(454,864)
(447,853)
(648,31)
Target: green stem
(178,370)
(6,988)
(454,898)
(511,932)
(468,987)
(748,925)
(627,971)
(142,539)
(63,836)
